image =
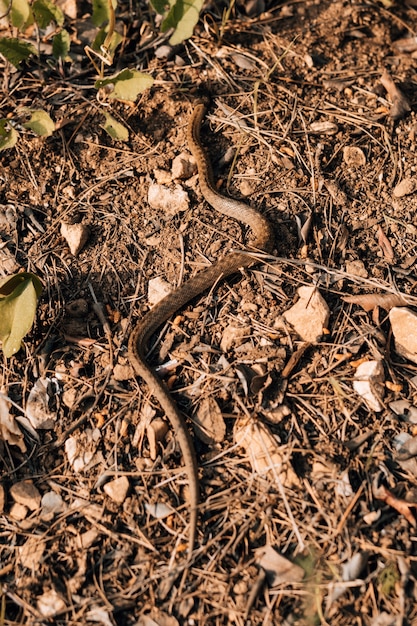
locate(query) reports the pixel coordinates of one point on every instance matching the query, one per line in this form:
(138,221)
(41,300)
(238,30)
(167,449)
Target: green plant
(18,299)
(48,21)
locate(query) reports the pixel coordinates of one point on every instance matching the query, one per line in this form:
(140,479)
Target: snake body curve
(202,281)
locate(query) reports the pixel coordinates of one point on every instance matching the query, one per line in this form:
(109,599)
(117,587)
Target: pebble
(404,328)
(76,236)
(183,166)
(158,288)
(117,489)
(169,200)
(404,188)
(310,314)
(18,512)
(50,603)
(25,492)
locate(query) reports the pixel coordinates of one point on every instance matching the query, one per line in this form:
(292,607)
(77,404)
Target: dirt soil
(309,516)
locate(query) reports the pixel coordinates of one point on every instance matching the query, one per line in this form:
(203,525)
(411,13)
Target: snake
(231,263)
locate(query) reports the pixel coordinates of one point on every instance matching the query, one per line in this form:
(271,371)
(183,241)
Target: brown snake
(204,280)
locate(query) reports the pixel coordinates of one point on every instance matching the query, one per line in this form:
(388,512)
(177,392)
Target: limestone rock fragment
(404,328)
(310,314)
(76,236)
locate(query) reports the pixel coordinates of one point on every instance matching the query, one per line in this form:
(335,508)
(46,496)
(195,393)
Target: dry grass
(271,79)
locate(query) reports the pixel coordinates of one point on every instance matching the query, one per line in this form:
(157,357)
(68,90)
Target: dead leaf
(208,421)
(384,244)
(9,430)
(262,449)
(369,301)
(304,223)
(278,569)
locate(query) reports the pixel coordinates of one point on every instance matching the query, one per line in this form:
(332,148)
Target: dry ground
(291,89)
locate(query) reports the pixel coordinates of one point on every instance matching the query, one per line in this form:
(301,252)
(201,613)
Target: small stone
(50,603)
(247,187)
(310,314)
(404,328)
(162,177)
(354,156)
(76,236)
(18,512)
(69,397)
(369,384)
(52,503)
(164,52)
(170,200)
(404,188)
(183,166)
(158,288)
(117,489)
(27,494)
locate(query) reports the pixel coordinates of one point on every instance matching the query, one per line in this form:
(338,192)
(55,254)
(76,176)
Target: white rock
(158,288)
(368,384)
(117,489)
(405,187)
(404,328)
(25,492)
(169,200)
(309,315)
(76,236)
(51,503)
(18,511)
(50,603)
(183,166)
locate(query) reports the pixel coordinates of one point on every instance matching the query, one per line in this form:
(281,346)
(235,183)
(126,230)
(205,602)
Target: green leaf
(20,12)
(61,45)
(8,135)
(17,309)
(15,50)
(40,123)
(45,12)
(127,85)
(116,40)
(101,11)
(183,16)
(115,129)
